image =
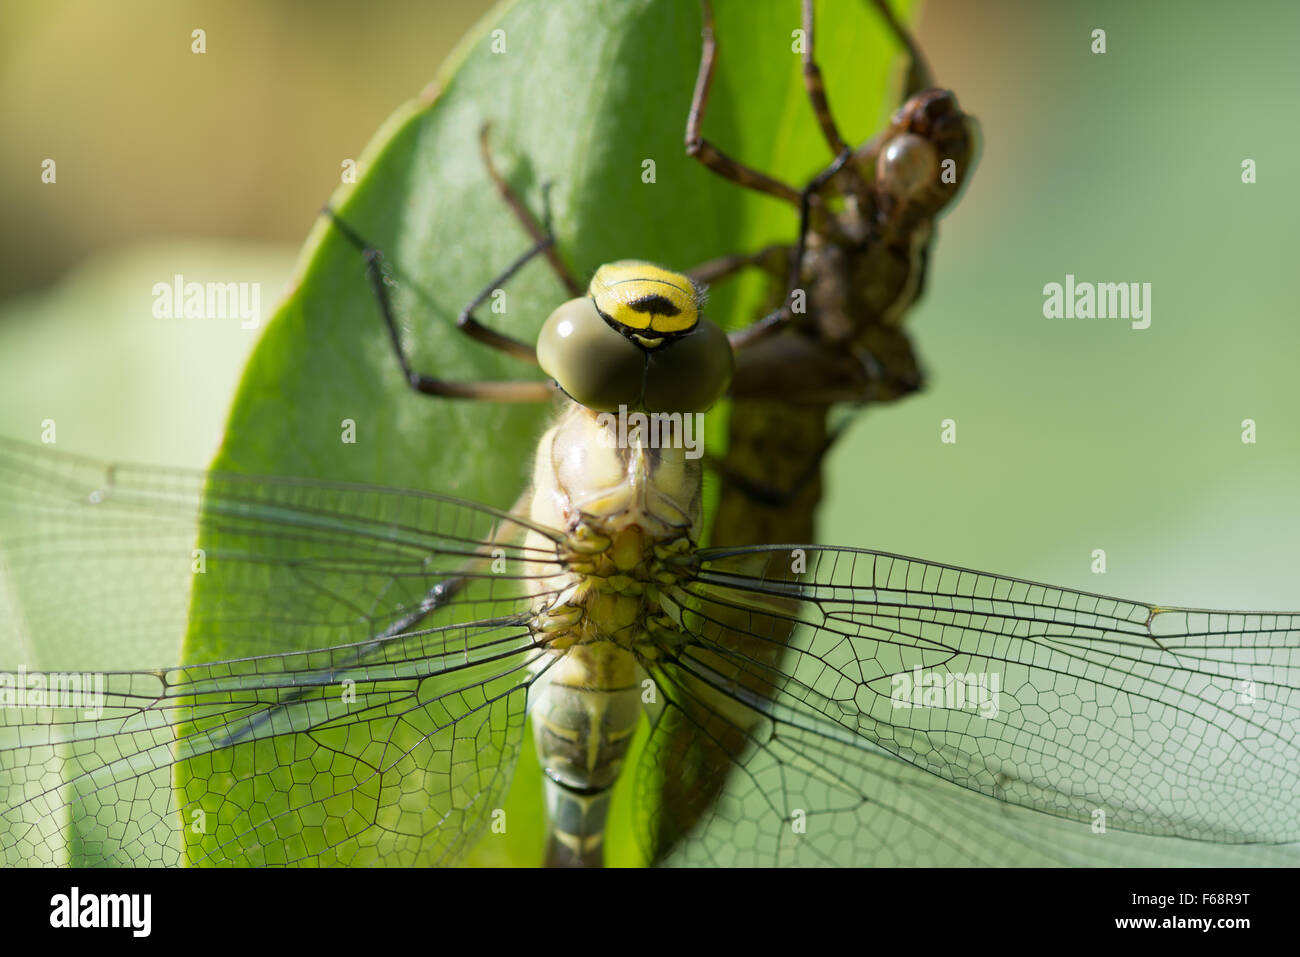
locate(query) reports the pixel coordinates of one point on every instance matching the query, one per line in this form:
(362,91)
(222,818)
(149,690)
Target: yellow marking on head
(644,297)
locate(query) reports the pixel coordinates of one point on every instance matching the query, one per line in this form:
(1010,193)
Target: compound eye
(907,166)
(691,373)
(597,366)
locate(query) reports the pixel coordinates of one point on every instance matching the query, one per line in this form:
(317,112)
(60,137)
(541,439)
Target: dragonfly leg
(429,385)
(773,259)
(919,76)
(812,81)
(776,320)
(703,150)
(466,322)
(539,231)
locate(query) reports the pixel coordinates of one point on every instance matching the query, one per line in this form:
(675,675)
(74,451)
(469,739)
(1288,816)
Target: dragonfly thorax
(631,514)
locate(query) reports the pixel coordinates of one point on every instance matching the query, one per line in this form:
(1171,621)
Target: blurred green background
(1072,434)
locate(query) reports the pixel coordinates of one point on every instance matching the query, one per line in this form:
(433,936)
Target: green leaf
(585,94)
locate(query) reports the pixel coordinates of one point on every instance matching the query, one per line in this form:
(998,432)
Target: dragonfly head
(637,340)
(928,154)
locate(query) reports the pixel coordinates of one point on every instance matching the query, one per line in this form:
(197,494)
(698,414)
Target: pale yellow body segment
(632,517)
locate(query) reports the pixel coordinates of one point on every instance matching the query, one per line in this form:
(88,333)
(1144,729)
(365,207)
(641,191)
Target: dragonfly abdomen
(584,718)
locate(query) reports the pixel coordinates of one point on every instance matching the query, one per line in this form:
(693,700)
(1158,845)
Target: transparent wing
(370,706)
(797,797)
(859,698)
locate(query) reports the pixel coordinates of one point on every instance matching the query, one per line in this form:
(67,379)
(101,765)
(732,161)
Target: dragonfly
(866,707)
(867,226)
(427,628)
(858,263)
